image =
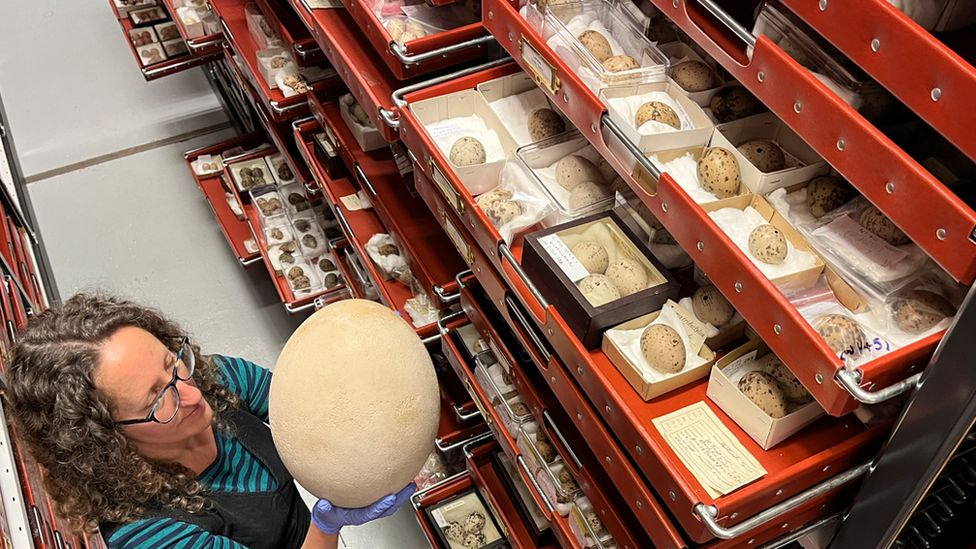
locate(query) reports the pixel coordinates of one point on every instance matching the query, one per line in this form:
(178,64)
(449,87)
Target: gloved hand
(330,519)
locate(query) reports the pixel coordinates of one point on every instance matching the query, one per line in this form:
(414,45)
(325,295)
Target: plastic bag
(516,204)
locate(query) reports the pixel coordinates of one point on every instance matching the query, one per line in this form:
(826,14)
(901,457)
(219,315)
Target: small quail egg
(592,256)
(919,310)
(598,290)
(620,63)
(794,390)
(718,172)
(658,112)
(763,154)
(475,540)
(574,169)
(663,348)
(693,76)
(501,212)
(711,306)
(762,389)
(628,275)
(872,219)
(768,244)
(467,151)
(597,44)
(586,193)
(454,531)
(475,522)
(545,123)
(492,196)
(827,193)
(733,103)
(842,334)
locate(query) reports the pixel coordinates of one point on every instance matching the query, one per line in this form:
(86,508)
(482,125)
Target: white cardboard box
(368,137)
(698,136)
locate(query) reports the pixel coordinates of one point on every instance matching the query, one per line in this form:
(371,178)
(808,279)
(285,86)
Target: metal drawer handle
(196,47)
(852,382)
(170,69)
(463,416)
(400,51)
(445,448)
(345,226)
(634,150)
(297,123)
(797,534)
(364,281)
(552,425)
(392,119)
(249,262)
(744,34)
(227,33)
(419,494)
(535,484)
(310,189)
(468,445)
(293,309)
(504,250)
(442,321)
(709,513)
(520,318)
(361,175)
(447,297)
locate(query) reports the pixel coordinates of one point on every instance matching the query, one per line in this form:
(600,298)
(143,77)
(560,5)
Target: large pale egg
(354,403)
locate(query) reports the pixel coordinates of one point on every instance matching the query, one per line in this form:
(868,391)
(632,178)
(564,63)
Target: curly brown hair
(93,473)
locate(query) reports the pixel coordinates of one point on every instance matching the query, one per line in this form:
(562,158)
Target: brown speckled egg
(763,154)
(733,103)
(592,256)
(794,390)
(597,44)
(659,112)
(826,193)
(628,275)
(693,76)
(663,348)
(919,310)
(587,193)
(574,169)
(598,289)
(545,123)
(842,334)
(762,389)
(768,244)
(718,172)
(501,212)
(467,151)
(620,63)
(874,220)
(711,306)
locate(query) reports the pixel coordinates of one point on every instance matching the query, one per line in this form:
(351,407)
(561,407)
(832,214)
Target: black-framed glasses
(167,404)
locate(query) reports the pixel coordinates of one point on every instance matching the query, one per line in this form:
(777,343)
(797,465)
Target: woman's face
(133,370)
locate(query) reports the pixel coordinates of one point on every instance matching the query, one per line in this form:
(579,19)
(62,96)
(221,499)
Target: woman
(154,443)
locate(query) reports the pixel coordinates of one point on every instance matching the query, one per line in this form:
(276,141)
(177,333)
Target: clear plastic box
(302,279)
(587,527)
(490,372)
(294,199)
(558,485)
(513,411)
(540,159)
(270,206)
(251,174)
(310,236)
(536,448)
(563,24)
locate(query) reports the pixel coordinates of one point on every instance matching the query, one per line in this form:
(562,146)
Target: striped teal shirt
(234,470)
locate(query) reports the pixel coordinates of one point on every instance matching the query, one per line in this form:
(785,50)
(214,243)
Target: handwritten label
(694,329)
(564,258)
(445,129)
(710,451)
(351,202)
(850,234)
(543,71)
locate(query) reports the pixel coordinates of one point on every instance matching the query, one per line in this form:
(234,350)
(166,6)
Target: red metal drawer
(293,32)
(200,46)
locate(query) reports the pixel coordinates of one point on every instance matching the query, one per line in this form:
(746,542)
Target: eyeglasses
(167,404)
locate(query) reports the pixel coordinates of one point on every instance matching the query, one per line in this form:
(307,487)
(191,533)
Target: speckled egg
(545,123)
(454,531)
(763,154)
(492,196)
(598,289)
(663,348)
(762,389)
(501,212)
(359,115)
(628,275)
(474,522)
(711,306)
(768,244)
(874,220)
(693,76)
(620,63)
(919,310)
(396,27)
(658,112)
(475,540)
(592,256)
(585,194)
(593,520)
(467,151)
(826,193)
(597,44)
(718,172)
(794,390)
(546,450)
(733,103)
(842,334)
(574,169)
(410,35)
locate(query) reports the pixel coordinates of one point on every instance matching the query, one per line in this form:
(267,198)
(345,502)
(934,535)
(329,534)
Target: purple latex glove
(330,519)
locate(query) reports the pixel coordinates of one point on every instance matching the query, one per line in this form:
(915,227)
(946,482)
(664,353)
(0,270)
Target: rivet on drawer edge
(664,207)
(579,370)
(671,495)
(785,525)
(608,460)
(875,45)
(819,379)
(701,246)
(593,128)
(738,287)
(936,94)
(826,468)
(579,416)
(491,15)
(797,107)
(761,76)
(609,409)
(890,187)
(510,37)
(777,329)
(639,504)
(779,492)
(823,5)
(940,234)
(675,3)
(733,516)
(552,380)
(550,331)
(841,144)
(639,450)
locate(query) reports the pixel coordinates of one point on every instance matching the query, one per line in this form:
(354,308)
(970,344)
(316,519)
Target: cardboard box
(767,126)
(648,389)
(368,137)
(765,430)
(794,281)
(585,320)
(696,137)
(482,177)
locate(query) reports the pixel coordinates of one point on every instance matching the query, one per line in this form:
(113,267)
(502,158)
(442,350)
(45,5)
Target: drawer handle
(729,22)
(361,175)
(442,321)
(504,250)
(468,445)
(520,318)
(292,309)
(353,260)
(419,494)
(851,380)
(296,124)
(463,444)
(249,262)
(400,51)
(390,116)
(535,484)
(634,150)
(447,297)
(345,226)
(463,416)
(552,425)
(709,513)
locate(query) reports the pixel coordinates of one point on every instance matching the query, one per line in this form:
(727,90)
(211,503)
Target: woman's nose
(190,395)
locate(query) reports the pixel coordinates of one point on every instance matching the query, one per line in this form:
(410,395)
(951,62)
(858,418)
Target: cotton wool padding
(354,403)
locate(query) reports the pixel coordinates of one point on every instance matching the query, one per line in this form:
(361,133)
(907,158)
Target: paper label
(445,129)
(351,202)
(323,140)
(457,240)
(564,257)
(851,234)
(708,449)
(740,366)
(544,73)
(322,4)
(439,518)
(694,329)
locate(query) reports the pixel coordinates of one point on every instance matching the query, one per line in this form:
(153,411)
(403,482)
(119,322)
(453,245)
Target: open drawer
(461,418)
(293,32)
(199,42)
(425,54)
